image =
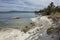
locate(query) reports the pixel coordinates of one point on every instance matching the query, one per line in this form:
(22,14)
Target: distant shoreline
(18,12)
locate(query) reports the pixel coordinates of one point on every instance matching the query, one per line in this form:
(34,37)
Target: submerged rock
(15,18)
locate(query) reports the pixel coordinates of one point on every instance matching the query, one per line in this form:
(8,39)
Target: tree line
(51,9)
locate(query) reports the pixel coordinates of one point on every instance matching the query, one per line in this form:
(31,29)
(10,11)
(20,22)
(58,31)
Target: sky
(25,5)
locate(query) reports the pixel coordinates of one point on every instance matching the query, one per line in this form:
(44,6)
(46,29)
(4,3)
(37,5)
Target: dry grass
(57,14)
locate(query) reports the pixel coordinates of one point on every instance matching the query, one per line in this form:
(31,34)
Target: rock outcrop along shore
(36,33)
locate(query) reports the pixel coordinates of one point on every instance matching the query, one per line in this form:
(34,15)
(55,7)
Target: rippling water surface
(6,21)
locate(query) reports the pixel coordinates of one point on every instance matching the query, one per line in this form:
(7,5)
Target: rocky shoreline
(41,25)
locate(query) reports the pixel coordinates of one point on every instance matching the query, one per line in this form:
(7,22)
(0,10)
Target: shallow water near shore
(14,23)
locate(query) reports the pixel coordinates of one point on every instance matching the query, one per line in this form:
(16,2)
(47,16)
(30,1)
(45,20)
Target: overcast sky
(25,5)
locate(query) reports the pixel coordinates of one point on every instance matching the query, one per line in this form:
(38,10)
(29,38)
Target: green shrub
(25,29)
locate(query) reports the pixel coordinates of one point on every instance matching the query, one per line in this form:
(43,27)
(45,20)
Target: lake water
(24,20)
(21,15)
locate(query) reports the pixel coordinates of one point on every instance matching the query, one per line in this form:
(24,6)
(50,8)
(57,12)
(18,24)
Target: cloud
(7,5)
